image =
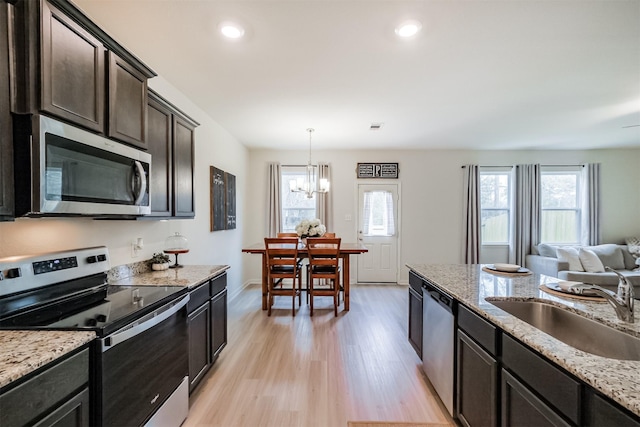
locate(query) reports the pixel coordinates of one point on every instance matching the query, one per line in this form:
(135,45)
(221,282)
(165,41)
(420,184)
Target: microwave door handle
(139,192)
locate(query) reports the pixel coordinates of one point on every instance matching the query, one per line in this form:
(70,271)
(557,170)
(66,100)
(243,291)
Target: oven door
(138,367)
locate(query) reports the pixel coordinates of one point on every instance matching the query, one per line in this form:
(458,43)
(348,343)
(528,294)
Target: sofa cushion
(590,261)
(610,255)
(545,249)
(570,255)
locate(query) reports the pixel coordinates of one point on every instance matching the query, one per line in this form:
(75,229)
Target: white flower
(310,228)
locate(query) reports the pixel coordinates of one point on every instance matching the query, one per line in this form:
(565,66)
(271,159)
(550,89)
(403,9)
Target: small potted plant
(159,261)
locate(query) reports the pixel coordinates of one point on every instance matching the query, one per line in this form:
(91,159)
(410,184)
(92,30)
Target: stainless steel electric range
(139,360)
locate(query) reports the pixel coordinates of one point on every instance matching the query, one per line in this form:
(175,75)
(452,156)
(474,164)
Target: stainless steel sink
(572,329)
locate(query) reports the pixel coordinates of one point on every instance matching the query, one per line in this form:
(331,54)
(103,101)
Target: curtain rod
(511,166)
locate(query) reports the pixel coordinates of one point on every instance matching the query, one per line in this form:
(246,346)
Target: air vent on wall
(376,126)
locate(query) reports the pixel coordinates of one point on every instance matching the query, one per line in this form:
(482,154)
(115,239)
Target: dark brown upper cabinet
(127,102)
(6,137)
(73,70)
(171,141)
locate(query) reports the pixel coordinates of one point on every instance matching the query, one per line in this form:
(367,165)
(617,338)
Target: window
(560,204)
(295,206)
(377,214)
(495,205)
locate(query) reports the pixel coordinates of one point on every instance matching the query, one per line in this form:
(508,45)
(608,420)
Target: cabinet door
(600,411)
(183,168)
(127,102)
(520,407)
(72,72)
(6,137)
(199,344)
(477,374)
(73,413)
(159,138)
(415,321)
(218,324)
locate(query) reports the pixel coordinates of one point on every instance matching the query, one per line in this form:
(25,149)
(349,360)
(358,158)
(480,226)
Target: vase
(160,267)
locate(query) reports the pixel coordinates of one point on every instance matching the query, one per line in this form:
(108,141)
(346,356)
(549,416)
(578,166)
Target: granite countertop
(22,352)
(469,284)
(188,276)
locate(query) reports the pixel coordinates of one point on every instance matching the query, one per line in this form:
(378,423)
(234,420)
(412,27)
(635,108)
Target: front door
(378,232)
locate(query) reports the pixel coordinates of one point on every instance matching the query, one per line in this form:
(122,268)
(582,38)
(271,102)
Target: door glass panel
(378,218)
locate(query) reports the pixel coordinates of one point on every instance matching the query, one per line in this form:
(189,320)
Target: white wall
(214,146)
(431,195)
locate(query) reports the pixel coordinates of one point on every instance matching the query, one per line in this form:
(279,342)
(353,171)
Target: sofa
(585,264)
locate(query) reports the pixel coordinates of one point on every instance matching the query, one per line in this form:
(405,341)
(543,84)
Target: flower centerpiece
(310,228)
(159,261)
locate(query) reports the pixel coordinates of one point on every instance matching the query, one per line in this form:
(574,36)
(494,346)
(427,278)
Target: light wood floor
(322,371)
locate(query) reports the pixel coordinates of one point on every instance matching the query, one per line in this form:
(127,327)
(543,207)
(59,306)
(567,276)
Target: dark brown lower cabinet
(477,374)
(55,395)
(415,320)
(520,407)
(199,348)
(207,324)
(601,412)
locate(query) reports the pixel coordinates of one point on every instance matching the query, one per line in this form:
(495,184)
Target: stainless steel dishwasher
(438,323)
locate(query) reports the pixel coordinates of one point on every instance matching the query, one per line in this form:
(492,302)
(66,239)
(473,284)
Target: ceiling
(482,74)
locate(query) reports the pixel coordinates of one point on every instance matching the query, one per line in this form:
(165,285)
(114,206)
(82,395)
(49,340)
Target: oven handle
(119,337)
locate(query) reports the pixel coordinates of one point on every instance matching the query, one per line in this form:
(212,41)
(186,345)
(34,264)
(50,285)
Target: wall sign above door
(377,170)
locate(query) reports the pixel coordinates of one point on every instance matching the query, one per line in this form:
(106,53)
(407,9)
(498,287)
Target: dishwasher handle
(441,298)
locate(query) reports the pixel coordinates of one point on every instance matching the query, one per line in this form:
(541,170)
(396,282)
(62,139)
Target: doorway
(378,231)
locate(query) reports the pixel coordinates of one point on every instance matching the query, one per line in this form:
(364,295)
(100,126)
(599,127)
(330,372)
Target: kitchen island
(471,286)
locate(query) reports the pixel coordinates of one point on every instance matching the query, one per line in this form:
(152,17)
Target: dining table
(346,250)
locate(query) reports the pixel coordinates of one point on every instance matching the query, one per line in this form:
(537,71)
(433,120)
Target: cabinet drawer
(479,329)
(218,284)
(45,390)
(553,385)
(198,296)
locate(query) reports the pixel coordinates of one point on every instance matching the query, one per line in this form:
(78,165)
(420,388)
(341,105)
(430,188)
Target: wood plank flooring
(322,371)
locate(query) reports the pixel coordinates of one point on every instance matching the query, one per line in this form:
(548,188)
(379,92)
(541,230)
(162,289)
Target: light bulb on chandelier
(310,185)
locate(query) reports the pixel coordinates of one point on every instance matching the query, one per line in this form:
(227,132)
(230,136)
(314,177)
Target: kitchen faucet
(622,301)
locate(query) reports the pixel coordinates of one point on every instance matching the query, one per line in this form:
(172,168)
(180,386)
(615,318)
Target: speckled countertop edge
(188,276)
(22,352)
(617,379)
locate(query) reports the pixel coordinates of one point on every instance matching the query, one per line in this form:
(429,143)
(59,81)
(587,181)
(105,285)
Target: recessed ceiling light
(231,30)
(408,28)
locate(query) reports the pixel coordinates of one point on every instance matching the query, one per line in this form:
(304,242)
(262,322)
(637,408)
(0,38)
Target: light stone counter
(617,379)
(188,276)
(22,352)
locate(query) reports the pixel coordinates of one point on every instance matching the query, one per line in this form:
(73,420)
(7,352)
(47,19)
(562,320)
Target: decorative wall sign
(377,170)
(223,199)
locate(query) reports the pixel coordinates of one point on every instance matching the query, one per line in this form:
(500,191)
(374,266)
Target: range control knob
(92,259)
(12,273)
(101,318)
(91,322)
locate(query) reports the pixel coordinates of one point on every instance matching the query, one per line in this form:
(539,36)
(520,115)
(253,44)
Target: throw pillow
(570,255)
(610,255)
(590,261)
(547,250)
(634,246)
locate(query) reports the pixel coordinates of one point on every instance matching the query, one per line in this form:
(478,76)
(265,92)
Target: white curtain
(591,208)
(274,202)
(389,219)
(323,200)
(471,215)
(526,213)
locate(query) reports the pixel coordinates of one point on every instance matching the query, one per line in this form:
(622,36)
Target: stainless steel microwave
(63,170)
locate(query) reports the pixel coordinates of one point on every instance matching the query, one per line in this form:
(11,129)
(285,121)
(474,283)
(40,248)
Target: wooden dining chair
(288,235)
(324,264)
(282,263)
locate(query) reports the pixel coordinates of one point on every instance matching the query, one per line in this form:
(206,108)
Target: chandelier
(310,184)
